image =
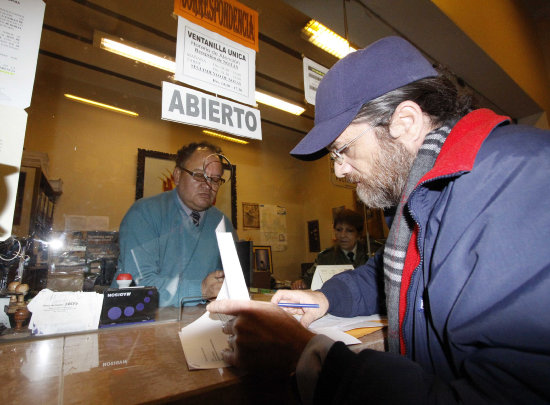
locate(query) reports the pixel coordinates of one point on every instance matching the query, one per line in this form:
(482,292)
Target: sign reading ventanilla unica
(226,17)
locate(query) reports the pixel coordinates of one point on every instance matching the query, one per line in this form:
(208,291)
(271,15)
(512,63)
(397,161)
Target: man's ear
(408,122)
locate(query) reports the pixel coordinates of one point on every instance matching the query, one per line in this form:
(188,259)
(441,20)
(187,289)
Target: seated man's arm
(357,292)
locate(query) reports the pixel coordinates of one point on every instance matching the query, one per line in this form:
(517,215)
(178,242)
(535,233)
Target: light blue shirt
(160,247)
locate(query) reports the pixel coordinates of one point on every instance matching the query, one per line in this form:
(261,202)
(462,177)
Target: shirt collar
(354,250)
(185,208)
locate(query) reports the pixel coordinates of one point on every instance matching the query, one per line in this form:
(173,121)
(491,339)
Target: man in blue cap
(466,266)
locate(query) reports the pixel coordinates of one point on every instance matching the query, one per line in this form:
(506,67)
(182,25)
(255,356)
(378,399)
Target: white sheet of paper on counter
(64,311)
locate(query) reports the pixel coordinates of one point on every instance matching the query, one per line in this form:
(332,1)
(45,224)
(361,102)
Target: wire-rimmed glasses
(202,177)
(337,155)
(214,181)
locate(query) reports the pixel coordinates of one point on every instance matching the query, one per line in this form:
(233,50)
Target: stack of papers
(64,311)
(335,327)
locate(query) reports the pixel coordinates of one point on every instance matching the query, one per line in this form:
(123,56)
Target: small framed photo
(262,258)
(251,216)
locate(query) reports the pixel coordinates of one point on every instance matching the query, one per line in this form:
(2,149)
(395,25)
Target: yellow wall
(94,152)
(505,33)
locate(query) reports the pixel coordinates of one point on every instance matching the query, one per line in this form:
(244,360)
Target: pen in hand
(297,305)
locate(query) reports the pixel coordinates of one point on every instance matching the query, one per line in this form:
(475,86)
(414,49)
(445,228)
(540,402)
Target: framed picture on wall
(262,258)
(313,236)
(251,216)
(154,173)
(154,176)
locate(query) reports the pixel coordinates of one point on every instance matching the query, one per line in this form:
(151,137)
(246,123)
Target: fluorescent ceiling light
(327,40)
(224,137)
(278,103)
(131,51)
(101,105)
(134,52)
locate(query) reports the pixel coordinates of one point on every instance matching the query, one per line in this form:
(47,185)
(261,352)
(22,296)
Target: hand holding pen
(310,304)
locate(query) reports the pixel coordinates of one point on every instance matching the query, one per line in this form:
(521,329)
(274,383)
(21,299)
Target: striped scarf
(402,227)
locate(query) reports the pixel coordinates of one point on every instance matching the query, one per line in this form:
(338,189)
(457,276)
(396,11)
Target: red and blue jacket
(475,294)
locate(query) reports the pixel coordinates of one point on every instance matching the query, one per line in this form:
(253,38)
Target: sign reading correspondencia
(182,104)
(214,63)
(226,17)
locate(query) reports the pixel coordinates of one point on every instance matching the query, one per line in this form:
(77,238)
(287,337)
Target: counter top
(127,365)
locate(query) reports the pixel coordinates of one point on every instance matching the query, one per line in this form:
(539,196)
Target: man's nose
(340,170)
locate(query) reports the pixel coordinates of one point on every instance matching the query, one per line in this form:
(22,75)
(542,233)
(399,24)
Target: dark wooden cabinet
(35,204)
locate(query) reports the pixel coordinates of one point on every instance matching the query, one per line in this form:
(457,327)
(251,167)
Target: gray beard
(383,187)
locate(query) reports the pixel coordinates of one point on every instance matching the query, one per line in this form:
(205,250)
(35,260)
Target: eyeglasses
(202,177)
(337,155)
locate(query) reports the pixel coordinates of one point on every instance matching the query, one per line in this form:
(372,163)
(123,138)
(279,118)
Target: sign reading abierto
(214,63)
(182,104)
(226,17)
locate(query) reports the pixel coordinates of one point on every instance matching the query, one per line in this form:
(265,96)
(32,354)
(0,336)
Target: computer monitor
(244,251)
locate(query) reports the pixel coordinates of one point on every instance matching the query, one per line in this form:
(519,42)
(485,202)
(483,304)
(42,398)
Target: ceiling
(68,58)
(423,24)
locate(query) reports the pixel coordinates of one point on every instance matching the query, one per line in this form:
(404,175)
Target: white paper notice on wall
(214,63)
(20,30)
(12,136)
(313,73)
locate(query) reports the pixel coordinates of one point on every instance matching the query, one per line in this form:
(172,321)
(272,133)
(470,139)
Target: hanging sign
(214,63)
(313,73)
(182,104)
(229,18)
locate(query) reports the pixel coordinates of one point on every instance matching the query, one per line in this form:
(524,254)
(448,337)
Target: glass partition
(84,165)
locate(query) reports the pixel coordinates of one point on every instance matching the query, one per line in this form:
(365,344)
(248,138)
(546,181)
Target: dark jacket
(475,296)
(335,255)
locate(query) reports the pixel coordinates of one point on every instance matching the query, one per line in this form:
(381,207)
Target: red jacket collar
(464,141)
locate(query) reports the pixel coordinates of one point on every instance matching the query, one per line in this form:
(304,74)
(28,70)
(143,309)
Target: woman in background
(348,249)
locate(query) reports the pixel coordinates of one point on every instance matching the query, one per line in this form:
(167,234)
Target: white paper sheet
(20,30)
(345,324)
(64,311)
(335,327)
(324,272)
(337,335)
(3,316)
(203,340)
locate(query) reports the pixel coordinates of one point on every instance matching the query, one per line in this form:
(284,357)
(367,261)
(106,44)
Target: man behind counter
(168,241)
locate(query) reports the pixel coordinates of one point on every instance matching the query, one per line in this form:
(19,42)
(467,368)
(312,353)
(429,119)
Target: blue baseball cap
(362,76)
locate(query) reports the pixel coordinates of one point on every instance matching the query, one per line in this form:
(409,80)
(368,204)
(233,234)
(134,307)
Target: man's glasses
(213,181)
(337,155)
(202,177)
